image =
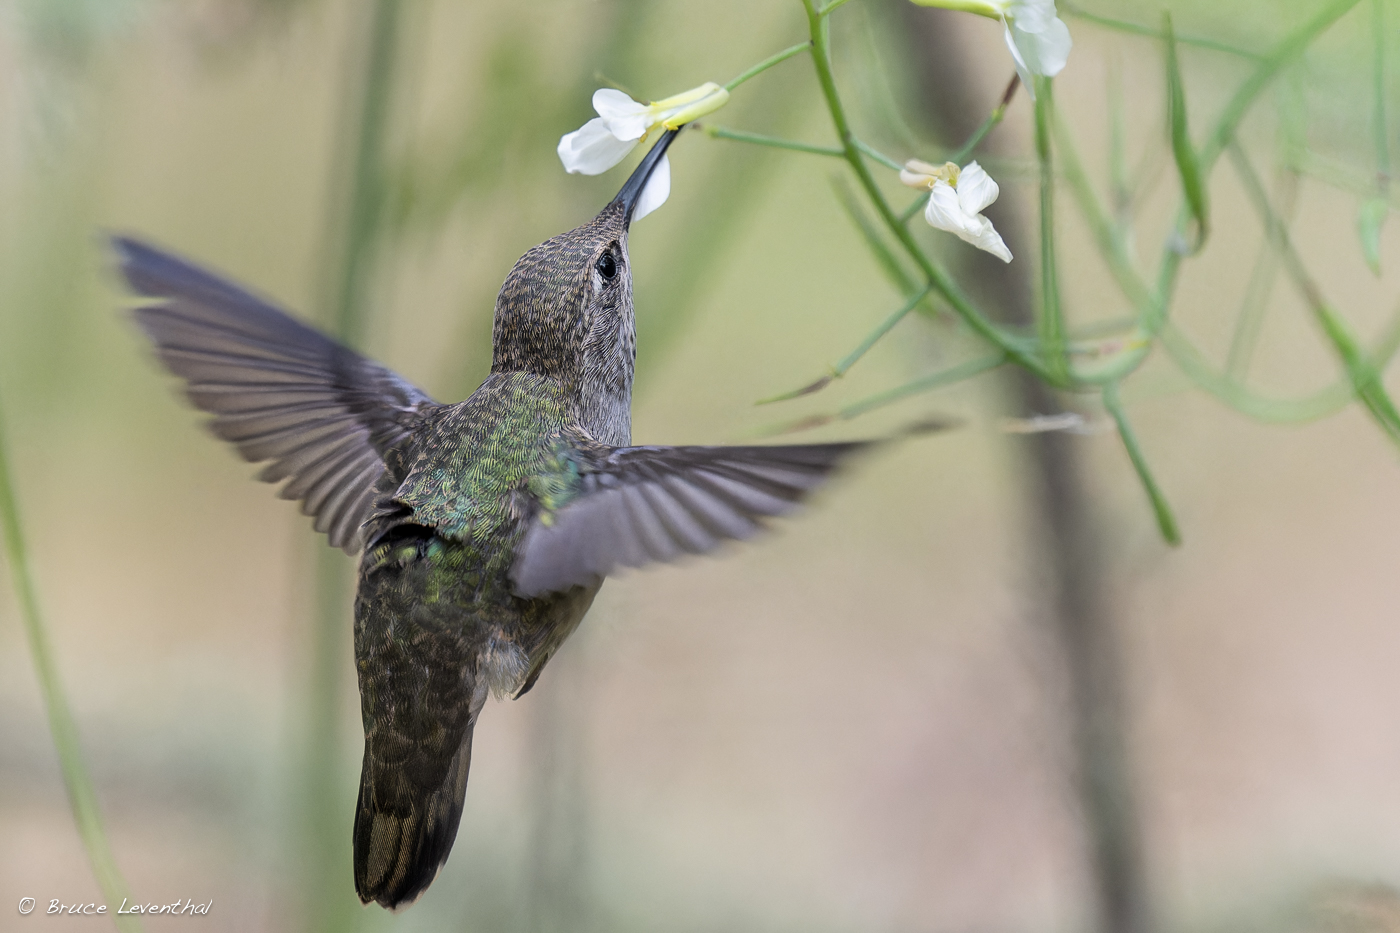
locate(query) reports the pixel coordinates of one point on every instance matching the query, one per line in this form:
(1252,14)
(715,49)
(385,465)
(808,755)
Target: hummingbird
(485,527)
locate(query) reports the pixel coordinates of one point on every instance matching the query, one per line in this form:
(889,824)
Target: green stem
(915,207)
(1276,230)
(1341,176)
(1119,25)
(1378,113)
(1117,145)
(757,139)
(767,63)
(1283,53)
(1291,46)
(874,336)
(1109,236)
(1166,522)
(927,383)
(877,155)
(894,270)
(1365,378)
(1191,362)
(831,7)
(843,367)
(988,124)
(354,226)
(1051,324)
(81,795)
(1250,321)
(941,281)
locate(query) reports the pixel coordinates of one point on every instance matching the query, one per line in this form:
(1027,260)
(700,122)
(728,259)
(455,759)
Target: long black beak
(632,190)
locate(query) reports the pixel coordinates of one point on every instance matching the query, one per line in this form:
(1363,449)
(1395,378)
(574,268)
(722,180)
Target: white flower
(957,197)
(622,123)
(1039,41)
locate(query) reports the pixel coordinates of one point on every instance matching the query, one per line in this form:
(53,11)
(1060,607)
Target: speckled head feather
(565,311)
(540,311)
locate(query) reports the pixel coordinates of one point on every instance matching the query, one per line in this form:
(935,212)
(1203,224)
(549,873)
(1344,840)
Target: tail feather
(404,831)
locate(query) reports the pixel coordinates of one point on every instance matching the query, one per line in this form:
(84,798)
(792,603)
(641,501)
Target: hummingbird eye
(606,265)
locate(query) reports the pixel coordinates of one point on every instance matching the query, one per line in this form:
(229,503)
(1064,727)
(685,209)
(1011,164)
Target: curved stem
(1051,323)
(769,62)
(933,274)
(758,139)
(81,795)
(1138,29)
(1166,521)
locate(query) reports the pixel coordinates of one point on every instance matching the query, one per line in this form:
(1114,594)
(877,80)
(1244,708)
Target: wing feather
(636,505)
(278,390)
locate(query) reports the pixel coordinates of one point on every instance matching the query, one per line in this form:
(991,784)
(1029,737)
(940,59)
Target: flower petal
(1042,38)
(656,192)
(592,149)
(915,179)
(1021,67)
(945,212)
(975,188)
(986,238)
(624,117)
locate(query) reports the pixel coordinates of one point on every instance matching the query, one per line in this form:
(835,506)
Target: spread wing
(278,390)
(636,505)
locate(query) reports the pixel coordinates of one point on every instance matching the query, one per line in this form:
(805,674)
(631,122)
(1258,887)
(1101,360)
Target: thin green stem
(1250,321)
(941,281)
(1117,144)
(894,270)
(924,384)
(1378,120)
(81,795)
(1341,176)
(877,155)
(1138,29)
(841,368)
(1050,325)
(884,328)
(757,139)
(1282,54)
(914,208)
(1204,376)
(353,238)
(988,124)
(1290,47)
(767,63)
(1166,522)
(1109,237)
(1365,378)
(1276,230)
(831,7)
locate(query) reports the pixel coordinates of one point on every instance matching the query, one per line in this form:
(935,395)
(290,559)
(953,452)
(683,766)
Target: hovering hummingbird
(487,526)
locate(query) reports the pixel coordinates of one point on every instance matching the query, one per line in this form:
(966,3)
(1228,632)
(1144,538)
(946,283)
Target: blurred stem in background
(350,248)
(81,795)
(41,290)
(1061,526)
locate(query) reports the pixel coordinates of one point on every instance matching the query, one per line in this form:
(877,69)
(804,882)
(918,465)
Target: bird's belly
(512,655)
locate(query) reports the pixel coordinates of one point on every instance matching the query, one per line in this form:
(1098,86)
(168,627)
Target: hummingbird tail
(403,831)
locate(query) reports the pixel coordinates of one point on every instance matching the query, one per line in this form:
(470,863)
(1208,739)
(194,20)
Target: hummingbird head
(565,311)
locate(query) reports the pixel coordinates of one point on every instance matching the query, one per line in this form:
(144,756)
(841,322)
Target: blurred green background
(854,724)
